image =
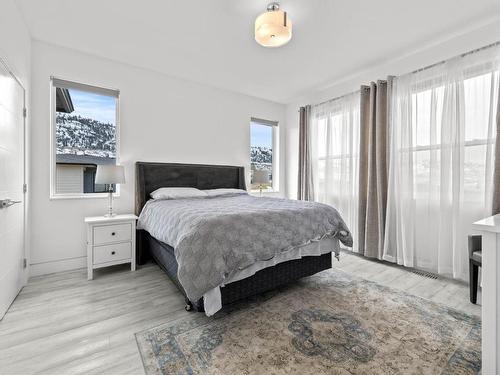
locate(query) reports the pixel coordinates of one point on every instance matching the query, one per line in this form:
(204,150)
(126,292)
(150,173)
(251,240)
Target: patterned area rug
(330,323)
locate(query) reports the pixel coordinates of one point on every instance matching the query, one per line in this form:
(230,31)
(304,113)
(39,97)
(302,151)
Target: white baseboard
(37,269)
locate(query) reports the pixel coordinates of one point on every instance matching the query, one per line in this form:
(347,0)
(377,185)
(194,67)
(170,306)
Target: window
(263,155)
(84,135)
(335,156)
(473,127)
(442,139)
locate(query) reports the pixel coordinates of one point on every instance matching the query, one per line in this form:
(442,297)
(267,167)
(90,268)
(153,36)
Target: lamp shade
(110,174)
(273,28)
(260,177)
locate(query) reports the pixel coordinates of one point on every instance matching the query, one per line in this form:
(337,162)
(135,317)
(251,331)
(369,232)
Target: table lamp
(260,177)
(109,175)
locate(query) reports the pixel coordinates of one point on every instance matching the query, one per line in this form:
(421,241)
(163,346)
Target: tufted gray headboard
(151,176)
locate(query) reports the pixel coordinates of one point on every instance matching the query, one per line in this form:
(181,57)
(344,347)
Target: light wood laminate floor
(64,324)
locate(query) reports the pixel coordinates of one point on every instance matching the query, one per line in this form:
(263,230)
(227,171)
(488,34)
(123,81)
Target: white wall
(15,51)
(429,53)
(162,119)
(15,41)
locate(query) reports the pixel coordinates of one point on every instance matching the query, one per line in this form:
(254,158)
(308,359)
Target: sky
(261,135)
(98,107)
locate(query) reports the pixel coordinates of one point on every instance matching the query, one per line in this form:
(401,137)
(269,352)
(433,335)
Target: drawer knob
(113,253)
(113,233)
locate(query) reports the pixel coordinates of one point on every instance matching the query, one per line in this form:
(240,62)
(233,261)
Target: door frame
(25,275)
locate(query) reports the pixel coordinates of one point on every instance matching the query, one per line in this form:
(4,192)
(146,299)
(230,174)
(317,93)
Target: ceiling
(211,42)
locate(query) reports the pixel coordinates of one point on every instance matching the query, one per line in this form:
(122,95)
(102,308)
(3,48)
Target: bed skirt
(262,281)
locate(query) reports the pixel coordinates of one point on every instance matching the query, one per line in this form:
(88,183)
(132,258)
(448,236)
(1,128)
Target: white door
(12,179)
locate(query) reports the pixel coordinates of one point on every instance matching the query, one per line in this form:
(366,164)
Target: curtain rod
(418,70)
(336,98)
(461,55)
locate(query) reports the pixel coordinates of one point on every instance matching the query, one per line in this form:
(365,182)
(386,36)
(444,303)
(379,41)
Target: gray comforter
(214,236)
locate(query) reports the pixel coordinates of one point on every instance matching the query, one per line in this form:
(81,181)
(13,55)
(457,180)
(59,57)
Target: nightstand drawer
(111,253)
(112,233)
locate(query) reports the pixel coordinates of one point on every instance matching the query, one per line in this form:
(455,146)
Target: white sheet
(212,299)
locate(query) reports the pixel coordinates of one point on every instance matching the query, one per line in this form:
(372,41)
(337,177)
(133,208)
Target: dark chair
(475,261)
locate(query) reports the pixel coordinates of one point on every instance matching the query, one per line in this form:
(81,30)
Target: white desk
(489,228)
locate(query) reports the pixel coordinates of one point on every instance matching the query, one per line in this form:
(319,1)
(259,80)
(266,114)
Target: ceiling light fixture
(273,28)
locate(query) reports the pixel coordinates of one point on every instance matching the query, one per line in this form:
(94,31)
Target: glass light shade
(273,28)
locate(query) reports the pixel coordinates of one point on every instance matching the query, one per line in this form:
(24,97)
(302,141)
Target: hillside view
(261,158)
(77,135)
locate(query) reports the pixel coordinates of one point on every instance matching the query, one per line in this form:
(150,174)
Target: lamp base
(110,203)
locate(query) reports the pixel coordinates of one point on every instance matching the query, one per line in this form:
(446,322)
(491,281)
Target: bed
(151,176)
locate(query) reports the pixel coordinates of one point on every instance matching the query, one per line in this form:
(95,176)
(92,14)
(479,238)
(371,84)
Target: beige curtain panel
(305,188)
(373,167)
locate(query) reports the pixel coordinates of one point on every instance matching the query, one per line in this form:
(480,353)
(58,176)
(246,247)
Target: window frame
(438,146)
(95,88)
(328,115)
(435,82)
(275,164)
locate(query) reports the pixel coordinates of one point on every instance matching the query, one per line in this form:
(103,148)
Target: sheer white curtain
(335,156)
(442,135)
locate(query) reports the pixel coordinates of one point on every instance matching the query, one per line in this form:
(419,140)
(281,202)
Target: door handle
(4,203)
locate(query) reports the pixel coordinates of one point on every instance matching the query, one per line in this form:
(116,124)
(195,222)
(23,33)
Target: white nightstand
(110,241)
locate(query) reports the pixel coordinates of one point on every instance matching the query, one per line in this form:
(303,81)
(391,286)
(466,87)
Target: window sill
(264,193)
(82,196)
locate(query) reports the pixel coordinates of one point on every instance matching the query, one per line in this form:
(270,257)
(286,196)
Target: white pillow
(178,193)
(220,192)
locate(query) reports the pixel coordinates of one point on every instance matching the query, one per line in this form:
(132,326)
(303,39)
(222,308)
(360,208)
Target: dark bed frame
(151,176)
